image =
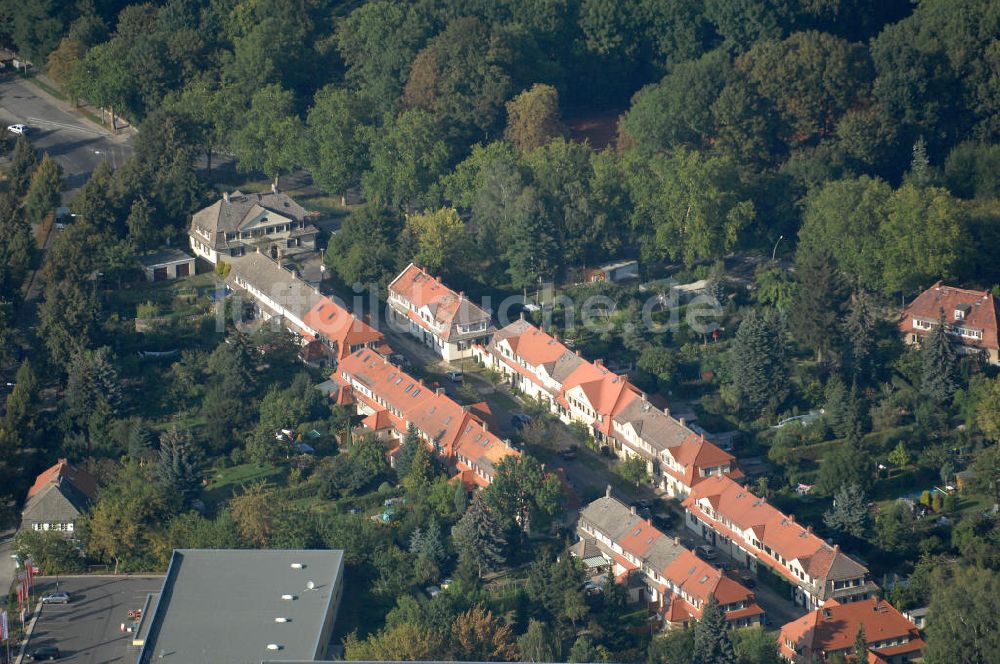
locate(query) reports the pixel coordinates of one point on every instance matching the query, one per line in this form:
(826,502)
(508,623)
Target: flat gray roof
(220,606)
(165,257)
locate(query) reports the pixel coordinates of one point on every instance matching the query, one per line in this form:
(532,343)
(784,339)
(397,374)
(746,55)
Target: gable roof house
(615,411)
(392,400)
(240,224)
(676,580)
(832,630)
(326,330)
(756,534)
(57,498)
(443,320)
(970,316)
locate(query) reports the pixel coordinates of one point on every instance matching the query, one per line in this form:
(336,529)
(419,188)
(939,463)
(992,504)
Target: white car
(18,129)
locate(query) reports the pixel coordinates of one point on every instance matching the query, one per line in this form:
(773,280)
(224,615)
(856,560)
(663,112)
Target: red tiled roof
(83,481)
(446,306)
(700,580)
(404,400)
(640,539)
(979,307)
(835,627)
(341,327)
(779,532)
(378,421)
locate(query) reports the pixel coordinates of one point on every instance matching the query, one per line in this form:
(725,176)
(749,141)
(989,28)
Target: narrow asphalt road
(77,144)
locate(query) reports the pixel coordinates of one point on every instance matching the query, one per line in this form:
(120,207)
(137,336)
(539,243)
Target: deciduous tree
(533,118)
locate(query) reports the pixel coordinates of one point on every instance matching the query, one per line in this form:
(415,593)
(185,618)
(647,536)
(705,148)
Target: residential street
(7,567)
(75,142)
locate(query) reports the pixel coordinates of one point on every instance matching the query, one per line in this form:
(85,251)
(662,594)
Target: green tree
(939,363)
(178,467)
(849,512)
(899,457)
(676,647)
(62,62)
(860,337)
(924,237)
(43,193)
(754,645)
(848,464)
(271,138)
(407,156)
(533,118)
(141,229)
(407,450)
(440,237)
(522,495)
(660,362)
(50,550)
(846,217)
(536,644)
(67,320)
(966,627)
(364,251)
(93,386)
(336,152)
(22,402)
(17,247)
(633,469)
(582,651)
(23,162)
(818,299)
(531,248)
(478,538)
(711,636)
(103,78)
(758,367)
(689,204)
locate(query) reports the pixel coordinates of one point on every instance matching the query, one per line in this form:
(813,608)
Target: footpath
(48,90)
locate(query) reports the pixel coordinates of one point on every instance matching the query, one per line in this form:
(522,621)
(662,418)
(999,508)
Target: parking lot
(88,629)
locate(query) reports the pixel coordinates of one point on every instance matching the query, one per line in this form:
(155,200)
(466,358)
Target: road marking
(40,121)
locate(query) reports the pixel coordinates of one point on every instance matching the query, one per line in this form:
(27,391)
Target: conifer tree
(849,513)
(478,538)
(940,364)
(818,299)
(23,162)
(860,645)
(859,333)
(408,449)
(711,637)
(178,467)
(759,370)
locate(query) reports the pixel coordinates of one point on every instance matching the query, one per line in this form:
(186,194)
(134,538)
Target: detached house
(392,400)
(57,498)
(832,630)
(679,583)
(615,412)
(241,224)
(765,540)
(970,316)
(442,319)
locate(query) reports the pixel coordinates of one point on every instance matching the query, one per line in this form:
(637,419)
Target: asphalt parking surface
(88,629)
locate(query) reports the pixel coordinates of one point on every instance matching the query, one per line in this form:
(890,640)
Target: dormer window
(961,311)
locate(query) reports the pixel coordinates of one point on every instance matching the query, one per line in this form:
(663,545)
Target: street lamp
(774,252)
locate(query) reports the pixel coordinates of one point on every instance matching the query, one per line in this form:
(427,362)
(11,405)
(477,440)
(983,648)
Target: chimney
(274,187)
(683,422)
(522,314)
(677,540)
(599,362)
(607,492)
(836,548)
(666,411)
(632,509)
(484,426)
(439,390)
(809,529)
(791,517)
(225,196)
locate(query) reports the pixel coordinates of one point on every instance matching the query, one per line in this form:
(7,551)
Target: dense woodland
(852,148)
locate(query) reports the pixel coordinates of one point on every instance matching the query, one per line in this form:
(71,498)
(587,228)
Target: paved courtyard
(88,629)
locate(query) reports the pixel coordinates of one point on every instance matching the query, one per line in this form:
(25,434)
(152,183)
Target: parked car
(705,552)
(433,591)
(455,376)
(591,588)
(568,454)
(55,598)
(663,521)
(747,578)
(605,451)
(520,420)
(44,653)
(18,129)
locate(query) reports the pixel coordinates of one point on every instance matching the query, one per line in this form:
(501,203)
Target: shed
(620,271)
(167,264)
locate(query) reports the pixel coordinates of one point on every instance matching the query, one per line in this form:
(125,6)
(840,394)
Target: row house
(615,412)
(443,320)
(831,631)
(675,580)
(317,321)
(240,224)
(391,401)
(970,317)
(754,533)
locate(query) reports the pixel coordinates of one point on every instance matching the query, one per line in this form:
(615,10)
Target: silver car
(55,598)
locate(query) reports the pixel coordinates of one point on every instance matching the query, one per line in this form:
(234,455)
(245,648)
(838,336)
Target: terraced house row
(673,578)
(392,401)
(614,411)
(761,537)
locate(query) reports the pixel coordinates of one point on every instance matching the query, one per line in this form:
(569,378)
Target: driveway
(76,143)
